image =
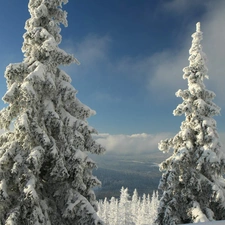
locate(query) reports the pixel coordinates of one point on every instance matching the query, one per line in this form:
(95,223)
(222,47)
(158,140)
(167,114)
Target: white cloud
(167,76)
(93,49)
(131,144)
(91,52)
(214,46)
(137,143)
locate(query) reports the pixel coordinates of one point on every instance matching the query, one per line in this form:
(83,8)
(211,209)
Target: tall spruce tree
(45,171)
(192,182)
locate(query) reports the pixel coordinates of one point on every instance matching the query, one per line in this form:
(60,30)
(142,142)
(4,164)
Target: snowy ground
(222,222)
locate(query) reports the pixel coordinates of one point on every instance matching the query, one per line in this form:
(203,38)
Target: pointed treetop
(198,27)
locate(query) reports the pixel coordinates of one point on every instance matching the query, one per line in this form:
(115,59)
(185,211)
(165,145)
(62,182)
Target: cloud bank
(137,143)
(131,144)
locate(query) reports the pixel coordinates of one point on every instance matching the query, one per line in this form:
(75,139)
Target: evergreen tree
(124,205)
(144,211)
(113,211)
(135,205)
(45,171)
(192,183)
(105,211)
(154,204)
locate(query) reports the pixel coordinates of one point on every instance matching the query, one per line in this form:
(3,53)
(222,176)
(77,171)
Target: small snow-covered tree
(154,206)
(113,211)
(124,207)
(144,212)
(192,182)
(105,211)
(135,205)
(45,171)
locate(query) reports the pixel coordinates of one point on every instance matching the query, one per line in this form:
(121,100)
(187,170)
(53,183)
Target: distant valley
(132,171)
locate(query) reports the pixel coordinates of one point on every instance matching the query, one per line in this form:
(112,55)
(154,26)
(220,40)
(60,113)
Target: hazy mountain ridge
(132,171)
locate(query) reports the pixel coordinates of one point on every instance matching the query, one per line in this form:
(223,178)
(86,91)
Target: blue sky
(132,54)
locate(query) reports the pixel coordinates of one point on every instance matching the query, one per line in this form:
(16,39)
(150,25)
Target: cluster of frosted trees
(128,210)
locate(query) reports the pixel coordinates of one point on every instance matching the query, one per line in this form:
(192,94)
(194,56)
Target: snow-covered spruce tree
(45,172)
(134,206)
(192,183)
(124,206)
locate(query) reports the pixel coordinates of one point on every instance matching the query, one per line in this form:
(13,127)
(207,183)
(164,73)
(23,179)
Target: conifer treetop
(198,27)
